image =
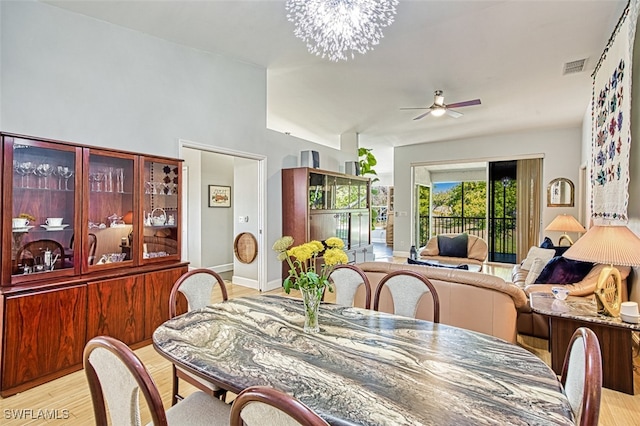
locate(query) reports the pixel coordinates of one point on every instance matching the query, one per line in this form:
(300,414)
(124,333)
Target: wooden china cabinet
(90,246)
(318,204)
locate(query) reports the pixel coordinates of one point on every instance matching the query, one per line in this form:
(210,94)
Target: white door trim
(262,188)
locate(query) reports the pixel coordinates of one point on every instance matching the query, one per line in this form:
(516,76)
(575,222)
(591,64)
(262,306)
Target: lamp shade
(565,223)
(613,245)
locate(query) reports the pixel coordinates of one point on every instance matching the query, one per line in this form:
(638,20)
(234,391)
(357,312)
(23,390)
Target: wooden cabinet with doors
(318,204)
(43,336)
(88,247)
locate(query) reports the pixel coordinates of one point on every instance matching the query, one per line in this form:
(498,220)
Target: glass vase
(311,299)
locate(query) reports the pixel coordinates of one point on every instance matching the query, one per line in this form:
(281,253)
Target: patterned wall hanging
(611,121)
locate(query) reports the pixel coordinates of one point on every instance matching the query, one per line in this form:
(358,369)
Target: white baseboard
(273,284)
(245,282)
(219,269)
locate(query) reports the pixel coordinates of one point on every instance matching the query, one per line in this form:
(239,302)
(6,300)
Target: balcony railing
(504,244)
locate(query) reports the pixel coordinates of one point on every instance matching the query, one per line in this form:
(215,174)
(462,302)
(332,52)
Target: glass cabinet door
(161,180)
(316,191)
(41,204)
(343,199)
(108,226)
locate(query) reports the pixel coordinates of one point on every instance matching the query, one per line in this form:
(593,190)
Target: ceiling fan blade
(464,104)
(423,115)
(416,108)
(452,113)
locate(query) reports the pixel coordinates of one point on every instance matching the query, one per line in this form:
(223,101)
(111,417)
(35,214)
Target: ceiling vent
(574,66)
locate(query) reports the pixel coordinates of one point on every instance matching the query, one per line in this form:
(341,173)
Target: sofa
(476,252)
(536,325)
(470,300)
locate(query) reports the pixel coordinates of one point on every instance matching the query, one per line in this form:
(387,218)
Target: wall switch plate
(241,219)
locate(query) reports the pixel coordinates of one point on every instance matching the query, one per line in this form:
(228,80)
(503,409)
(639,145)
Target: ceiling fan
(439,108)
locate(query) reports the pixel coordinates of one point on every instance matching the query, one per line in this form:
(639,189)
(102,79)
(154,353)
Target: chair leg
(174,394)
(220,394)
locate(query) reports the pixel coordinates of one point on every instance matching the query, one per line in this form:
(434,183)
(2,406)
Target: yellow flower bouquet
(305,274)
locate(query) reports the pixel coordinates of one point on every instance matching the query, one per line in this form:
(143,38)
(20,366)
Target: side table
(614,335)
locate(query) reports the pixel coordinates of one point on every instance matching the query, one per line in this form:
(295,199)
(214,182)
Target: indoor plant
(310,265)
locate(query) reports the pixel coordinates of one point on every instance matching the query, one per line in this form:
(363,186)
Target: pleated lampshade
(613,245)
(565,223)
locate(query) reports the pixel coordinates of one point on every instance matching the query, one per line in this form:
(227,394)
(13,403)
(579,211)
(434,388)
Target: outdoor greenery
(453,214)
(367,163)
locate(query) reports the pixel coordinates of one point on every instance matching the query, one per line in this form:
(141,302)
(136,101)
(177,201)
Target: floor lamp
(565,223)
(612,245)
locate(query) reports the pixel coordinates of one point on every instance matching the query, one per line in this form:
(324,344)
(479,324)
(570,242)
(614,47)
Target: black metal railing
(504,244)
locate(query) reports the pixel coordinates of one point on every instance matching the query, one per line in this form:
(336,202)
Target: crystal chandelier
(337,29)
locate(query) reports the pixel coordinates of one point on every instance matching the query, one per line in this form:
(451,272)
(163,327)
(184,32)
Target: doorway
(211,229)
(502,211)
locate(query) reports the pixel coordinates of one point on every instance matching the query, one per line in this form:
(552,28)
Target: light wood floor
(70,396)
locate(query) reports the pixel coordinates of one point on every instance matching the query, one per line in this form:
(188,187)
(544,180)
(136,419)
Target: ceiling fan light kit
(438,111)
(439,108)
(337,29)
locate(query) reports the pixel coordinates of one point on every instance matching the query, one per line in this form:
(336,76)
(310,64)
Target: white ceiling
(510,54)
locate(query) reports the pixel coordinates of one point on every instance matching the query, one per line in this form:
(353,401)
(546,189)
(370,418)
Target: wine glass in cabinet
(109,231)
(40,209)
(160,230)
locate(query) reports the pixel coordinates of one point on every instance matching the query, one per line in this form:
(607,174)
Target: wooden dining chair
(267,406)
(116,377)
(581,376)
(93,242)
(197,286)
(34,249)
(406,288)
(346,280)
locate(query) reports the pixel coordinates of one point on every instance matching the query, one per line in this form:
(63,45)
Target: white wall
(246,193)
(193,221)
(560,148)
(70,77)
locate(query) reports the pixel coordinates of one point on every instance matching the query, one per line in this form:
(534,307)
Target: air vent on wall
(574,66)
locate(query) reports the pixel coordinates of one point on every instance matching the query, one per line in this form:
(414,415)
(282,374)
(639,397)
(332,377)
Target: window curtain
(529,173)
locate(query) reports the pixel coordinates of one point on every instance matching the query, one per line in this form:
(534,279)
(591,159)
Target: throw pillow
(561,270)
(537,252)
(536,268)
(436,265)
(453,247)
(547,243)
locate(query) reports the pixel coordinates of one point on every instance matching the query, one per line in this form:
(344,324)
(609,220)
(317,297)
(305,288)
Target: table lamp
(565,223)
(613,245)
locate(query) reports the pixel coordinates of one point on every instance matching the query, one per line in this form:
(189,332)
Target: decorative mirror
(560,193)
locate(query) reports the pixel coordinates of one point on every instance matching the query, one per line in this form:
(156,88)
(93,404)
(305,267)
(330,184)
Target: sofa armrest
(587,286)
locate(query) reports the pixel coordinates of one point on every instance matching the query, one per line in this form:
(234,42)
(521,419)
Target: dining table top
(365,367)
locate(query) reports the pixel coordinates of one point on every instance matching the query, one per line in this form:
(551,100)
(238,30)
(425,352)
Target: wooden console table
(614,335)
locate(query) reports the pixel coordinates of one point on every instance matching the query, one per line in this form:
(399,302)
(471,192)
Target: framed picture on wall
(219,196)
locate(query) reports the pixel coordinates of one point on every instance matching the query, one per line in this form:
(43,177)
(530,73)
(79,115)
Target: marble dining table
(365,367)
